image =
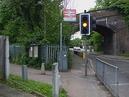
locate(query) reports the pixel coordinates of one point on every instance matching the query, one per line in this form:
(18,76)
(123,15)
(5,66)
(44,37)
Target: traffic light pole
(86,58)
(86,55)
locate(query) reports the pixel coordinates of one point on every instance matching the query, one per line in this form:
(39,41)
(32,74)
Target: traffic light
(85,24)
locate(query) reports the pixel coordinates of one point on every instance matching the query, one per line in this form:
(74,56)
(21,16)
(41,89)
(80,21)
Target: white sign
(69,15)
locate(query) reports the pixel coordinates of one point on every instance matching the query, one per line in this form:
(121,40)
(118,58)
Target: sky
(81,5)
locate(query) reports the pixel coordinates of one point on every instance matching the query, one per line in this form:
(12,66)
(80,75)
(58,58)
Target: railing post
(117,82)
(103,73)
(96,71)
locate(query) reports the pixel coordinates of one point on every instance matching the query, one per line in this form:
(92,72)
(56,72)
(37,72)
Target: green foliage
(67,30)
(33,62)
(29,61)
(76,42)
(19,59)
(32,86)
(96,40)
(48,66)
(32,21)
(121,5)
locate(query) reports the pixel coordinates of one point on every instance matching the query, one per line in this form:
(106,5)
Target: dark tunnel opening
(107,38)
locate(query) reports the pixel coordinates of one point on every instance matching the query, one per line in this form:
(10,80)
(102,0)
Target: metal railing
(108,75)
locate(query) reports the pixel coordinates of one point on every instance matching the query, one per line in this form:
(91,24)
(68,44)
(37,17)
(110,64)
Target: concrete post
(24,72)
(7,67)
(43,69)
(55,80)
(4,57)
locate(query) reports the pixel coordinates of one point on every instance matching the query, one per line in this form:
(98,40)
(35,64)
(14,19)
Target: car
(76,48)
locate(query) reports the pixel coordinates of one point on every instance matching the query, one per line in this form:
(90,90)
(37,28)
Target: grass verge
(31,86)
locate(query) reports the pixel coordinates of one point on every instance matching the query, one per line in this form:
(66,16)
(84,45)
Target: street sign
(69,15)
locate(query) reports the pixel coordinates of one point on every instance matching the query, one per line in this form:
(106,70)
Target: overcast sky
(81,5)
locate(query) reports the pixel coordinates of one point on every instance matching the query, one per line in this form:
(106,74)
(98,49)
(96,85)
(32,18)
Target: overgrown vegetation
(96,40)
(30,86)
(32,21)
(121,5)
(76,42)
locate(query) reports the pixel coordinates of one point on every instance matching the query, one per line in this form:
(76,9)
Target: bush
(48,66)
(34,62)
(29,61)
(19,59)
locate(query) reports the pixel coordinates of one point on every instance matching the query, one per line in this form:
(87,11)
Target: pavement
(74,81)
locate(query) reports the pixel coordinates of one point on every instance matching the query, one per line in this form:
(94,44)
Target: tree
(95,39)
(24,21)
(121,5)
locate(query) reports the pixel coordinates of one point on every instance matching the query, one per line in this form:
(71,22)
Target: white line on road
(121,84)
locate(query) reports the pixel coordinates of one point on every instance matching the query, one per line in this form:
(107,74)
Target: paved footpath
(74,81)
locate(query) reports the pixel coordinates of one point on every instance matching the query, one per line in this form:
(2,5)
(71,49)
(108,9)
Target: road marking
(121,84)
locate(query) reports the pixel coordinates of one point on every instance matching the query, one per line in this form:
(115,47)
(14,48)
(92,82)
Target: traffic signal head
(85,24)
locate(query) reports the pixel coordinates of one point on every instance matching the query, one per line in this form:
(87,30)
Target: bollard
(43,69)
(24,72)
(83,55)
(55,80)
(59,82)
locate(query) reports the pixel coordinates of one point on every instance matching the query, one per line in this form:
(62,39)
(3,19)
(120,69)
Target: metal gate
(62,60)
(50,54)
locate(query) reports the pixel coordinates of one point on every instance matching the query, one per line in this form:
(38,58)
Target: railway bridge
(114,29)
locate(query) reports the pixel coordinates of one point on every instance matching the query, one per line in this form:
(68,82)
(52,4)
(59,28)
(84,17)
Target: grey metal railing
(108,75)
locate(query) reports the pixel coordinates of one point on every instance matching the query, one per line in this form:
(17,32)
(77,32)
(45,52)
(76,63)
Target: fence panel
(108,75)
(16,50)
(50,54)
(100,70)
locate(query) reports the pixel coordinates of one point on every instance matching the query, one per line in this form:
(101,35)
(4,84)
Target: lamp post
(61,31)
